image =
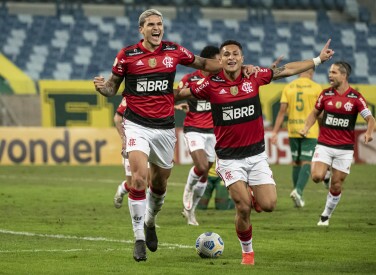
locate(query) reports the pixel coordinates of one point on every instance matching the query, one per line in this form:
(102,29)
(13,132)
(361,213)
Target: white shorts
(196,141)
(253,170)
(339,159)
(157,144)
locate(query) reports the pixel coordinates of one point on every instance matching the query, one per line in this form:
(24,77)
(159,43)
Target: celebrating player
(341,105)
(239,131)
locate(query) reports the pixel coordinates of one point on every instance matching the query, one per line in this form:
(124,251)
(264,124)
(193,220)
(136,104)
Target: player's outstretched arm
(311,119)
(181,94)
(278,122)
(298,67)
(209,65)
(107,88)
(182,107)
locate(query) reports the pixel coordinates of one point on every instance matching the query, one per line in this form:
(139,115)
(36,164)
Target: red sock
(126,187)
(245,235)
(137,194)
(197,172)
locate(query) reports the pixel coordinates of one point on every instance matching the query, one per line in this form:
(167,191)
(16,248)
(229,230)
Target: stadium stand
(78,39)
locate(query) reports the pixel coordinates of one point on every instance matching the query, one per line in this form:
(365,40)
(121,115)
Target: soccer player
(123,188)
(238,127)
(297,101)
(148,69)
(340,105)
(199,139)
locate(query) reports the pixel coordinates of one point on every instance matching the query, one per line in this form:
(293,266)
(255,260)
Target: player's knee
(268,206)
(202,168)
(243,210)
(139,182)
(316,177)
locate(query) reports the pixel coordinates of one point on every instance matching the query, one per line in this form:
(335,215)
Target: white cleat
(190,216)
(324,221)
(188,198)
(297,199)
(118,198)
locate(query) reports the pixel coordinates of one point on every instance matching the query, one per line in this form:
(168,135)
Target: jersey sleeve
(184,82)
(119,66)
(361,104)
(319,103)
(200,89)
(264,76)
(186,57)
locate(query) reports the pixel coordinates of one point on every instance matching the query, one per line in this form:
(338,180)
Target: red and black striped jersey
(149,78)
(199,117)
(122,107)
(339,118)
(236,111)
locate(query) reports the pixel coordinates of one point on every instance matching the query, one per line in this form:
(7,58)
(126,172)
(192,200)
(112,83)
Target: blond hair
(146,14)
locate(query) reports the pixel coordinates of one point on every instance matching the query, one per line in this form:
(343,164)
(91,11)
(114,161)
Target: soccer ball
(209,245)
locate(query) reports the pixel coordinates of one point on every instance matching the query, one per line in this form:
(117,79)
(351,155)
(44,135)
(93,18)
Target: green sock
(303,178)
(295,174)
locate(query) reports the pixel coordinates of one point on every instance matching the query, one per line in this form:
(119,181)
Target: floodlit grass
(61,220)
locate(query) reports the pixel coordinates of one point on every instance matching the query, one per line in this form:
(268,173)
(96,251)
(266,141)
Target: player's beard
(335,84)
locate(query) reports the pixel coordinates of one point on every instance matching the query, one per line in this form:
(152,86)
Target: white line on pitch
(96,239)
(18,177)
(60,250)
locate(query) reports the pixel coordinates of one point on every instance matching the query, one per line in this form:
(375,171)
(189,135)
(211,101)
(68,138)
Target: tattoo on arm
(277,72)
(111,86)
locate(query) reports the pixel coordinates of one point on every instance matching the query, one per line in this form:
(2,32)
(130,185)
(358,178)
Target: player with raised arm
(340,105)
(148,69)
(239,131)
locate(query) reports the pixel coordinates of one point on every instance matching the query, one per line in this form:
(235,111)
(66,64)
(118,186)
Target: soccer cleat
(188,198)
(151,238)
(190,216)
(254,204)
(324,221)
(118,198)
(248,258)
(139,251)
(297,199)
(326,180)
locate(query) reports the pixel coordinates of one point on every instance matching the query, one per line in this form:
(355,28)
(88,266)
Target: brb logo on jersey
(334,121)
(143,85)
(203,106)
(231,113)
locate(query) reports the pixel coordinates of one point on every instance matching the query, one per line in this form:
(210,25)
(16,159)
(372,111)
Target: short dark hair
(231,42)
(209,52)
(344,68)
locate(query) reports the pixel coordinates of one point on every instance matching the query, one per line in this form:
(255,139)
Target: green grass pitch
(61,220)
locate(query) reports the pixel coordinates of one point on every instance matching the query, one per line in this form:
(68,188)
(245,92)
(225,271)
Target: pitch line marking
(18,177)
(95,239)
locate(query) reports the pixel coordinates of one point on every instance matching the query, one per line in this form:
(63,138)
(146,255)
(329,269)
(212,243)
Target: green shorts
(222,199)
(302,148)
